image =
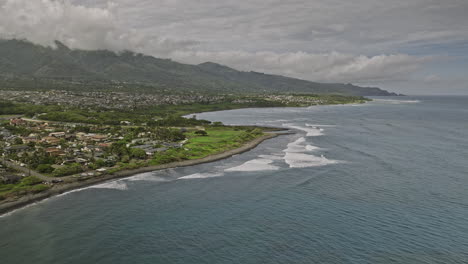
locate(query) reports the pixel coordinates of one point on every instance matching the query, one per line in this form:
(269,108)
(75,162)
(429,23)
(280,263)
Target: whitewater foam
(311,131)
(201,176)
(296,155)
(260,164)
(318,125)
(395,101)
(115,185)
(147,177)
(302,160)
(271,157)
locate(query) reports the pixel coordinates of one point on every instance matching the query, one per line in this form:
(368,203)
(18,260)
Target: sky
(406,46)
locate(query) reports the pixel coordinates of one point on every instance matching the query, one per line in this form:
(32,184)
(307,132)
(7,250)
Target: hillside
(27,66)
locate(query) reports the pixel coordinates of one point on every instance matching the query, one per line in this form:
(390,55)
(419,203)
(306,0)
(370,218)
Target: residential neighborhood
(64,149)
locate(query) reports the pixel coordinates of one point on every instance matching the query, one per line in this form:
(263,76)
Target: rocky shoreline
(67,187)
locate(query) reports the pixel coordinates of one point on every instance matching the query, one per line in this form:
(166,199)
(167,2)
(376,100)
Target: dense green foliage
(67,170)
(44,168)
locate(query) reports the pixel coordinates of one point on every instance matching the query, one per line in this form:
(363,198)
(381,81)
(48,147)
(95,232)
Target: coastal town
(125,100)
(38,155)
(61,149)
(53,141)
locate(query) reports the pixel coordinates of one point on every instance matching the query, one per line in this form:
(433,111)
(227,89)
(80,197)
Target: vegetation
(68,170)
(163,115)
(27,185)
(105,70)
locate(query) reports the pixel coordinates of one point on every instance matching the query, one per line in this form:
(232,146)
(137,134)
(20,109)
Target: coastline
(67,187)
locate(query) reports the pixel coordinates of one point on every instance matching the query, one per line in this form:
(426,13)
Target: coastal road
(29,172)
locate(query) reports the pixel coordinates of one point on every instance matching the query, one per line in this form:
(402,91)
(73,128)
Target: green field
(217,140)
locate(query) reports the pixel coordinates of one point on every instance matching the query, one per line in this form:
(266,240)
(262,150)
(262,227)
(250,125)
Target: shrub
(31,180)
(137,153)
(45,168)
(201,133)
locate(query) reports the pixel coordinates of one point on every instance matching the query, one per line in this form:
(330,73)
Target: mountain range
(24,65)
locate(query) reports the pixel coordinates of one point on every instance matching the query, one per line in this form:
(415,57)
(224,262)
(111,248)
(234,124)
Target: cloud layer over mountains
(362,41)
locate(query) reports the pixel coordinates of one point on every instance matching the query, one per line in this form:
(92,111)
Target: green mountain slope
(24,65)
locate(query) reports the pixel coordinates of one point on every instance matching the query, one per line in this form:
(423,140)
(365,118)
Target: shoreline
(67,187)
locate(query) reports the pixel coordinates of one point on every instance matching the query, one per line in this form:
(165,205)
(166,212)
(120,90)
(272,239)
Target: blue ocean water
(383,182)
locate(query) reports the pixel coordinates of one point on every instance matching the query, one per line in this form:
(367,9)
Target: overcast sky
(409,46)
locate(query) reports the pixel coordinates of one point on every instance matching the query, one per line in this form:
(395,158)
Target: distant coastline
(67,187)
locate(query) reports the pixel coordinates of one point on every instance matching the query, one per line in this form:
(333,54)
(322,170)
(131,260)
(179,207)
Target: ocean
(382,182)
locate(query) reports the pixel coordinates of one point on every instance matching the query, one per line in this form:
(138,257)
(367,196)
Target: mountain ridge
(24,65)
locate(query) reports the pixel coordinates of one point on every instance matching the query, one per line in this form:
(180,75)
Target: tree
(18,141)
(68,170)
(137,153)
(45,168)
(201,133)
(119,148)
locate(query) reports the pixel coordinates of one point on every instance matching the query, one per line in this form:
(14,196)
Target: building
(57,134)
(55,152)
(51,140)
(17,122)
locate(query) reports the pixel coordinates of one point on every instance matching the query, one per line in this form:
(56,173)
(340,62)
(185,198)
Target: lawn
(219,139)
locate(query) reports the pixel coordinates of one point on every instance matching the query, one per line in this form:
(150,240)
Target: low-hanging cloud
(101,27)
(77,26)
(327,67)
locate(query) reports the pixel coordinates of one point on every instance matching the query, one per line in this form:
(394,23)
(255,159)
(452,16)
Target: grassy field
(217,140)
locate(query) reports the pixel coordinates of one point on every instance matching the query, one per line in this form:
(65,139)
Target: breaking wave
(302,160)
(296,155)
(115,185)
(147,177)
(311,131)
(261,164)
(201,176)
(395,101)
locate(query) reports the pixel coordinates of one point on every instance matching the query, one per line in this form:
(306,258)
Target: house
(51,140)
(57,134)
(31,138)
(98,137)
(80,160)
(17,122)
(150,152)
(80,135)
(55,152)
(105,145)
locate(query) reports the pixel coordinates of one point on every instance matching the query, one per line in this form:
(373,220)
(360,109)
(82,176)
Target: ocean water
(383,182)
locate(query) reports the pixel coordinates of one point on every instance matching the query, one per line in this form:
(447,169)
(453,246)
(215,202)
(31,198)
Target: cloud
(327,67)
(361,41)
(44,21)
